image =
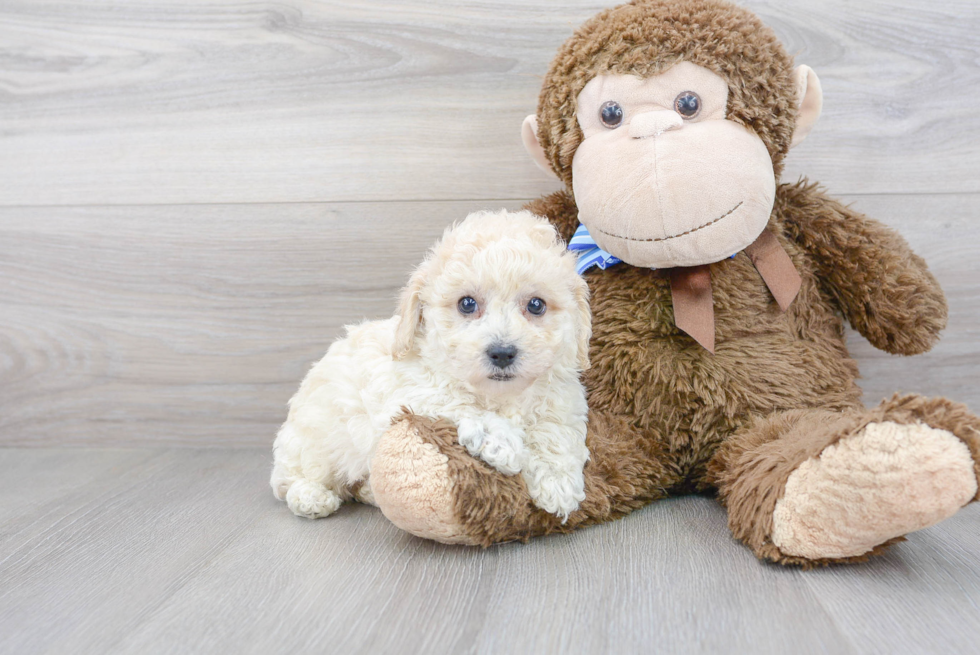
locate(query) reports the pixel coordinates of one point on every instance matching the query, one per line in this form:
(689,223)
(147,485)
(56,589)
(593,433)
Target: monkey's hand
(884,289)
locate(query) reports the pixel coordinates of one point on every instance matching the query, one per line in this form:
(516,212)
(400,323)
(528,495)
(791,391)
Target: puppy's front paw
(556,492)
(494,440)
(504,450)
(471,434)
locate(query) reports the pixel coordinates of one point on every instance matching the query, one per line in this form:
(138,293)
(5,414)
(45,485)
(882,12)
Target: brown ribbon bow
(690,288)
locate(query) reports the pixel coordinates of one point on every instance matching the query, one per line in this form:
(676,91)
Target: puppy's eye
(536,306)
(688,104)
(611,114)
(467,305)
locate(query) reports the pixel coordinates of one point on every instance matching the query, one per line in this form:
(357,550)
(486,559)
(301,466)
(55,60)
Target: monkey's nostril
(502,355)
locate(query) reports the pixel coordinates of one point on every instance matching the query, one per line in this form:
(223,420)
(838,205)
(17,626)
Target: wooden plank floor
(196,197)
(186,550)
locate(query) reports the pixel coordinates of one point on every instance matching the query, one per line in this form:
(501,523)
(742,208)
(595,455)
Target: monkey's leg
(427,484)
(815,487)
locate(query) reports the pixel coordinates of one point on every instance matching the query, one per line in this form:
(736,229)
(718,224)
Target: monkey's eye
(688,104)
(611,114)
(536,306)
(467,305)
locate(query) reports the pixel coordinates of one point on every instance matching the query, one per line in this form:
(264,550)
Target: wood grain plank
(42,487)
(200,558)
(193,325)
(888,606)
(84,582)
(190,553)
(230,101)
(668,579)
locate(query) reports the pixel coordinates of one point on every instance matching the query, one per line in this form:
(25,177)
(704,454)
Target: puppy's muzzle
(502,355)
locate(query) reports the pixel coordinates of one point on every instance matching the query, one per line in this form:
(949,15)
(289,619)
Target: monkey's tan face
(661,178)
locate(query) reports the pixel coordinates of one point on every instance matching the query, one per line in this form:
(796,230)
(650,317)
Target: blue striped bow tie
(589,253)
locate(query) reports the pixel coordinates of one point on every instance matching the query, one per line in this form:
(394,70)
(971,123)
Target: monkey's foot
(412,482)
(884,481)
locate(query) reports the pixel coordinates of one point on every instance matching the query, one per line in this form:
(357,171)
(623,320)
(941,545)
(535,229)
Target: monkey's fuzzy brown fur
(660,405)
(771,450)
(666,416)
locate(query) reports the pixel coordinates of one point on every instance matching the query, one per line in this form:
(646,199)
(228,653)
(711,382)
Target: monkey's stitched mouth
(682,234)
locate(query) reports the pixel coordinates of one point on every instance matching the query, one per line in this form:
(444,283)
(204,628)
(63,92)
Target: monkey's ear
(529,135)
(409,313)
(809,98)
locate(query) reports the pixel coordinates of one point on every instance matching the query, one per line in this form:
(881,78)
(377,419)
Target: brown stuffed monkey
(718,299)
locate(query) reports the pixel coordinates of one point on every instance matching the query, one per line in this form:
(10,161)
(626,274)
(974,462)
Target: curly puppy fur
(527,417)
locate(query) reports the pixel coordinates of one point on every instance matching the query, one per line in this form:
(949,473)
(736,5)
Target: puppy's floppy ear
(410,312)
(584,316)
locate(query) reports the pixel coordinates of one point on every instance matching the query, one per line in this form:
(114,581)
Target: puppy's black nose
(502,355)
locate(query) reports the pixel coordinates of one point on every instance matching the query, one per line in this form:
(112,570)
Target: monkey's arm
(884,289)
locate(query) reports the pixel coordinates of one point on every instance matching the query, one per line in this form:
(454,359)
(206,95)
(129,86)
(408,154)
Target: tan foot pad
(881,483)
(411,484)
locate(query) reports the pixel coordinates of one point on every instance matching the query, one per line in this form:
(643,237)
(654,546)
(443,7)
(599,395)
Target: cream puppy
(491,333)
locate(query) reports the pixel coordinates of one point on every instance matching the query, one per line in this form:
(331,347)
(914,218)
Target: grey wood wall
(194,198)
